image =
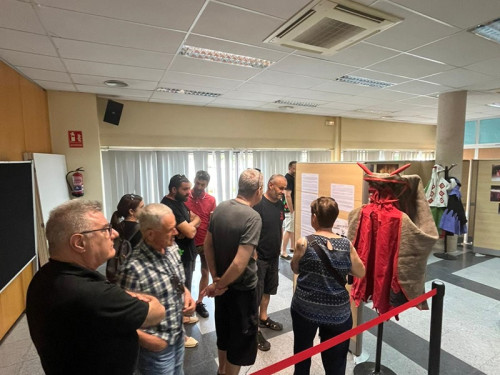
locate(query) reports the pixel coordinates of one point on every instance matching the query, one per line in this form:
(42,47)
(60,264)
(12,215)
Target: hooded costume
(393,235)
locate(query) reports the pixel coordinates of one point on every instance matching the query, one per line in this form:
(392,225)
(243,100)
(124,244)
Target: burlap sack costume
(393,235)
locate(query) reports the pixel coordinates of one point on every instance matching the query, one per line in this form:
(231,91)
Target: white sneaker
(190,319)
(190,342)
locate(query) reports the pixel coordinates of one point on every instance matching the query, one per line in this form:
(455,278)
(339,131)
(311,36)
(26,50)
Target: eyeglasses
(109,228)
(177,284)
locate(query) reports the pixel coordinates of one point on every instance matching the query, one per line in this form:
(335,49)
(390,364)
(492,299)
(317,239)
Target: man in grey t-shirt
(232,237)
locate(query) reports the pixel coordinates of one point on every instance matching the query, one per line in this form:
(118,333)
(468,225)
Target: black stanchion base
(368,368)
(446,256)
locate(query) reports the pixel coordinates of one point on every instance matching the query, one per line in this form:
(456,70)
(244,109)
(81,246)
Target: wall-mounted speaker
(113,112)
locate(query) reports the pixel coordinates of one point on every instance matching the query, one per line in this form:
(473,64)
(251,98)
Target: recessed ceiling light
(188,92)
(490,30)
(364,81)
(294,103)
(115,83)
(495,105)
(224,57)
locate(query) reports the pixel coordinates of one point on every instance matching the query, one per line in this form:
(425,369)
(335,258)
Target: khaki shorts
(289,223)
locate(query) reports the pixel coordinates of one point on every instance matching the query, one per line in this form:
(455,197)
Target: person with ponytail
(124,219)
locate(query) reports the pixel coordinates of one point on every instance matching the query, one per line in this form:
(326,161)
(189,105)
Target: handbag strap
(324,258)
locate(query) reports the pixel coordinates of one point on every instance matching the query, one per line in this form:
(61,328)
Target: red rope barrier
(278,366)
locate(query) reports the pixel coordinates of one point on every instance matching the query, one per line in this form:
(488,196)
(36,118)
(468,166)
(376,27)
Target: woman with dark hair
(322,262)
(124,219)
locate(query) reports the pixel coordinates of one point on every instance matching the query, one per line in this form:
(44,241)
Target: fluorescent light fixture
(364,81)
(115,83)
(188,92)
(294,103)
(490,31)
(224,57)
(495,105)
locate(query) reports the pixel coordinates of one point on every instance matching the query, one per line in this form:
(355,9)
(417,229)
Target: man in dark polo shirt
(289,201)
(270,209)
(79,322)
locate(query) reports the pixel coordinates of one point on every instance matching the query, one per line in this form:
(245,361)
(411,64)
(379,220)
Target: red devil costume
(393,235)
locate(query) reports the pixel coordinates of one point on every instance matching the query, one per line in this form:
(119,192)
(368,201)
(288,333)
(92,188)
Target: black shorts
(268,274)
(236,326)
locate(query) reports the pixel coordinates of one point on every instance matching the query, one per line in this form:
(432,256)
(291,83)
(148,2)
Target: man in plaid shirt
(156,269)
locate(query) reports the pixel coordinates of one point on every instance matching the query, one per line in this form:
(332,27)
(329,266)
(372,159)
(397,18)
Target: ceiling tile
(410,66)
(490,67)
(19,16)
(78,50)
(311,67)
(418,87)
(457,78)
(84,79)
(114,91)
(195,66)
(26,42)
(414,31)
(235,103)
(344,88)
(254,96)
(460,49)
(287,79)
(79,26)
(226,22)
(199,80)
(56,86)
(30,60)
(461,13)
(111,70)
(45,75)
(173,14)
(181,97)
(284,9)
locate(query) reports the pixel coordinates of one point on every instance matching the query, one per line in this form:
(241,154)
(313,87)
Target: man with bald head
(79,322)
(156,269)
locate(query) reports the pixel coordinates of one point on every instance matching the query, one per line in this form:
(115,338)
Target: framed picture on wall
(495,173)
(495,193)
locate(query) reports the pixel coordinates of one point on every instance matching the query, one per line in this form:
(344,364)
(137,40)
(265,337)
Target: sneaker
(189,319)
(190,342)
(286,257)
(201,310)
(262,343)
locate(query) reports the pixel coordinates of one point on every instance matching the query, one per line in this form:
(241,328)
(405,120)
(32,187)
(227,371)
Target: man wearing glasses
(79,322)
(156,269)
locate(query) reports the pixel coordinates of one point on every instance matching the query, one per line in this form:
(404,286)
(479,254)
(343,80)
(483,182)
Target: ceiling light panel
(224,57)
(296,103)
(490,31)
(361,81)
(188,92)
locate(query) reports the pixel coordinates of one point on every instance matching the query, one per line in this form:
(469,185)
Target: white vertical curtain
(148,173)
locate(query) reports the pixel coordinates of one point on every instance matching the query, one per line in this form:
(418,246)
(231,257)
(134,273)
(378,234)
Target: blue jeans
(169,361)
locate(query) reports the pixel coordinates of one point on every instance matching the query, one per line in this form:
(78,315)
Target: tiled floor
(470,337)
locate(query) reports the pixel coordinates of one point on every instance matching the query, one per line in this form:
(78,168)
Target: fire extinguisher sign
(75,138)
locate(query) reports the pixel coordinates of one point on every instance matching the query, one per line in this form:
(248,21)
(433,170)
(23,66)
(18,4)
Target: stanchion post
(436,328)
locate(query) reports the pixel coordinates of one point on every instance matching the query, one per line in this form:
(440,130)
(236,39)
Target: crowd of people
(82,323)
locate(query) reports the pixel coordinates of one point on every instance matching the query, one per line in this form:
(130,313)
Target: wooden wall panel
(468,154)
(35,118)
(489,153)
(11,115)
(24,127)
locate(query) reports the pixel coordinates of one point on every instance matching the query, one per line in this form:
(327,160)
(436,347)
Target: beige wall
(167,125)
(382,135)
(76,111)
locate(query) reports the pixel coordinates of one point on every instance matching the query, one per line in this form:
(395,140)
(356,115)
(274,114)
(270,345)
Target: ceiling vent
(327,26)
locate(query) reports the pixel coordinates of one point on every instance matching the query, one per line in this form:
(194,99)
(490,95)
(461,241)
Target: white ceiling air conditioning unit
(327,26)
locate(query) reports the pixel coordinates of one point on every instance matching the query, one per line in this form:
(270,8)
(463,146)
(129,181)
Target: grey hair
(150,216)
(69,218)
(274,177)
(249,182)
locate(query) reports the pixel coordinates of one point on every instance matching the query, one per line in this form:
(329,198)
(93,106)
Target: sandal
(269,323)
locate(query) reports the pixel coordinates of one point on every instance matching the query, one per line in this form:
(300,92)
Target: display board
(343,182)
(17,222)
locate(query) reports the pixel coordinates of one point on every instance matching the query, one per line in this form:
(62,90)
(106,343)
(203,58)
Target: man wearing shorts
(232,237)
(202,204)
(289,211)
(270,209)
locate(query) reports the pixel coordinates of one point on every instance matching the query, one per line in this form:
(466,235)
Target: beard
(180,197)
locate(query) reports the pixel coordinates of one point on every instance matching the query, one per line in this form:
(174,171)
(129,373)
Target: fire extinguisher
(76,185)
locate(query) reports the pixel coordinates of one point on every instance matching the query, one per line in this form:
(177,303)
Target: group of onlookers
(81,323)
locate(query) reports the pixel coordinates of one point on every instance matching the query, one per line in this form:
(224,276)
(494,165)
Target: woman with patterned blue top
(320,299)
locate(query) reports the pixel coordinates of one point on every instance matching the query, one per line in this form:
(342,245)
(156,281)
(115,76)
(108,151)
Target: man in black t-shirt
(270,209)
(79,322)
